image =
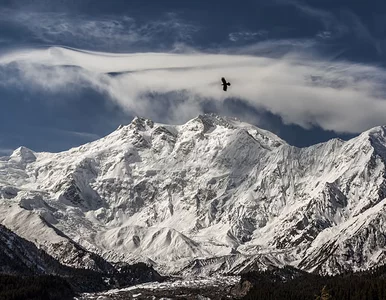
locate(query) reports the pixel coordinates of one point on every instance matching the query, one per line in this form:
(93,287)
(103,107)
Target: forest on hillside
(292,284)
(41,287)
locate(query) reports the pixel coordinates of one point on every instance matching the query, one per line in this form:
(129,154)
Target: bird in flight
(225,84)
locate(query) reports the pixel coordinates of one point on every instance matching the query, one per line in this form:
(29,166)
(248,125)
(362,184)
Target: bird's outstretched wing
(223,80)
(225,87)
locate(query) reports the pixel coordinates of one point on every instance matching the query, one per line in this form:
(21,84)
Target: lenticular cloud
(337,96)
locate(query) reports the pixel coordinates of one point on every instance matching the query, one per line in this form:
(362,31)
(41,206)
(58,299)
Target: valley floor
(194,288)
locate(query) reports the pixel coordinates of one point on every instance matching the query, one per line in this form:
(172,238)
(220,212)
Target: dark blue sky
(55,120)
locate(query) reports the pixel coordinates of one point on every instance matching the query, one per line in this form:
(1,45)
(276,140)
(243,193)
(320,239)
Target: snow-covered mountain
(212,195)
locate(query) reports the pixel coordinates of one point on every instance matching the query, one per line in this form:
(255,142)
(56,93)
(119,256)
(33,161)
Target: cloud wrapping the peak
(342,97)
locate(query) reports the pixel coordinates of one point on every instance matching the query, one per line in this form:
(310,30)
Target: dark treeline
(291,284)
(34,288)
(25,271)
(49,287)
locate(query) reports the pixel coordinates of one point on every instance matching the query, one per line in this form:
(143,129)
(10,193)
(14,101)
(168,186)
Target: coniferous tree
(324,295)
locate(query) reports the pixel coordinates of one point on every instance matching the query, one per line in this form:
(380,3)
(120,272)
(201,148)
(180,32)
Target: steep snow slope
(213,187)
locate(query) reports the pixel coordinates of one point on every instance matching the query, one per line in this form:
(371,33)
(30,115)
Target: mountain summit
(214,194)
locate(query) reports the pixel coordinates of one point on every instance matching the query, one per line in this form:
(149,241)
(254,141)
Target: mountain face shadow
(22,259)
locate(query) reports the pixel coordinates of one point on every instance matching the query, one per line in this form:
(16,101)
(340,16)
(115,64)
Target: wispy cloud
(324,34)
(276,48)
(331,23)
(343,22)
(342,97)
(109,33)
(79,134)
(247,35)
(5,151)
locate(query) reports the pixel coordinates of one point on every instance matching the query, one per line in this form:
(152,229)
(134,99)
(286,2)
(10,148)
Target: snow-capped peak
(23,155)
